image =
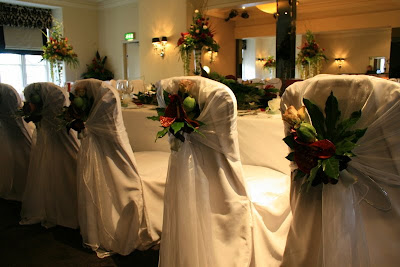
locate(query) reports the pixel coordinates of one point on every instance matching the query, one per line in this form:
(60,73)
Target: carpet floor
(34,245)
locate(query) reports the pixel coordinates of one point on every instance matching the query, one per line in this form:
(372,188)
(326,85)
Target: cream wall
(113,23)
(80,26)
(264,47)
(356,47)
(225,60)
(161,18)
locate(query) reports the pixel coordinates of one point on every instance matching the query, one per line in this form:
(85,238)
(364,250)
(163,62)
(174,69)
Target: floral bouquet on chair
(180,115)
(321,149)
(32,108)
(77,113)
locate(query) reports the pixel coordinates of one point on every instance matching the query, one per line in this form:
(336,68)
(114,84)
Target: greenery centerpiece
(57,50)
(309,59)
(323,147)
(198,38)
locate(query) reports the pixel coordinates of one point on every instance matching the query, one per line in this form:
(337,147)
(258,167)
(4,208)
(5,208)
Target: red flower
(306,155)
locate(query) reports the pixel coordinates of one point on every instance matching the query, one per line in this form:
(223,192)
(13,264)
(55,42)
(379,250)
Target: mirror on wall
(378,64)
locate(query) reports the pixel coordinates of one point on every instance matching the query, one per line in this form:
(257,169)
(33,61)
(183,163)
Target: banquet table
(260,136)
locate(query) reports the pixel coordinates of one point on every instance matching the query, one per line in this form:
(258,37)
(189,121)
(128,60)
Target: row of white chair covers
(357,224)
(50,193)
(15,145)
(97,188)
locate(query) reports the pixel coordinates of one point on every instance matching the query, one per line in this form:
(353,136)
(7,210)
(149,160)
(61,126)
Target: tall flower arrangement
(270,63)
(199,37)
(310,57)
(58,50)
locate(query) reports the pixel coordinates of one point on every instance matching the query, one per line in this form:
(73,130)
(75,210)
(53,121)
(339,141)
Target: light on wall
(339,61)
(159,46)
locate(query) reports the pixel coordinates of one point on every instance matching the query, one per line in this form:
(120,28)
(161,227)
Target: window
(20,70)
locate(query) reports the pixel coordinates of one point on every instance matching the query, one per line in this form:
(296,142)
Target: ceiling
(316,9)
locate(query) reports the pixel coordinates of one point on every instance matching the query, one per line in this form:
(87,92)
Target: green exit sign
(129,36)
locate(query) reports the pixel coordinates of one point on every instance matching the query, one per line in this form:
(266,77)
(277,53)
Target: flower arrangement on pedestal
(270,65)
(198,38)
(57,50)
(309,59)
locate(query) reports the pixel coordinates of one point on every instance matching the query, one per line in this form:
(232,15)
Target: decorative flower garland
(78,111)
(180,115)
(199,37)
(321,149)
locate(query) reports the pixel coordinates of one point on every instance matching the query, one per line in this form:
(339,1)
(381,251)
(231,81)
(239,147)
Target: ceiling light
(269,8)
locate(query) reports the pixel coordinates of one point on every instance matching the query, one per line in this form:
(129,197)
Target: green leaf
(317,118)
(162,133)
(289,140)
(177,126)
(312,175)
(166,97)
(290,156)
(346,145)
(160,111)
(332,115)
(272,90)
(299,175)
(344,125)
(358,134)
(195,130)
(331,167)
(154,118)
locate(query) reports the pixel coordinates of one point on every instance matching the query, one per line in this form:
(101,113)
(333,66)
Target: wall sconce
(339,61)
(159,46)
(260,59)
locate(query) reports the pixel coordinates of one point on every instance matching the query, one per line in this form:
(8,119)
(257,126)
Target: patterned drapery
(23,16)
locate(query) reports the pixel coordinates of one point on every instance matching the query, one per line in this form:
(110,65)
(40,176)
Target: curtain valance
(23,16)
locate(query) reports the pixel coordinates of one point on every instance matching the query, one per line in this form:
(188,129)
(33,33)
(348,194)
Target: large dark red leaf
(325,148)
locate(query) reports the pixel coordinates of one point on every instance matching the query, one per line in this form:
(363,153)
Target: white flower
(205,27)
(196,11)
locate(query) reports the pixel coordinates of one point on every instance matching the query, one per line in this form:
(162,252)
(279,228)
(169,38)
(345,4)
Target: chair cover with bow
(15,145)
(351,224)
(50,196)
(110,194)
(207,214)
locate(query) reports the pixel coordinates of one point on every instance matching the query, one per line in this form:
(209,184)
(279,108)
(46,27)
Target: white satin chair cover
(110,195)
(351,224)
(275,82)
(50,196)
(15,145)
(207,215)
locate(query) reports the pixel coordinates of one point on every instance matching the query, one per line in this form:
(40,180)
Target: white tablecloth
(260,137)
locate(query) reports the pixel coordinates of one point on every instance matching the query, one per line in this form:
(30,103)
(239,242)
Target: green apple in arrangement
(189,104)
